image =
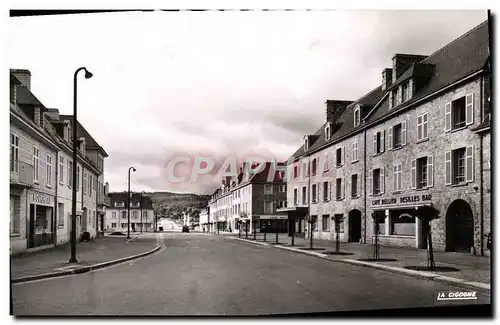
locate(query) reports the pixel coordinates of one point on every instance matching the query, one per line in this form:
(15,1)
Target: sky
(218,84)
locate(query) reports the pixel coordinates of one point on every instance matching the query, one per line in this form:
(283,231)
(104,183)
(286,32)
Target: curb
(83,269)
(417,274)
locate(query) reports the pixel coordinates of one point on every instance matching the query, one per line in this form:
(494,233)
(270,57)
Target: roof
(344,123)
(82,132)
(147,202)
(462,57)
(26,97)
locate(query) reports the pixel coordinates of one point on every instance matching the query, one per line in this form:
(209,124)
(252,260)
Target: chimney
(401,62)
(386,78)
(334,108)
(228,181)
(53,113)
(24,76)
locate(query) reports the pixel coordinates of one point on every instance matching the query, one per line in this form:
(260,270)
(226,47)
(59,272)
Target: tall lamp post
(128,205)
(88,75)
(141,211)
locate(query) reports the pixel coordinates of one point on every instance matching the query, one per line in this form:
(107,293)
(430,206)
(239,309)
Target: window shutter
(395,177)
(382,180)
(390,99)
(389,138)
(375,143)
(413,174)
(447,167)
(342,183)
(469,164)
(334,161)
(447,117)
(358,190)
(469,109)
(403,133)
(330,191)
(325,166)
(382,140)
(400,178)
(370,185)
(430,171)
(343,156)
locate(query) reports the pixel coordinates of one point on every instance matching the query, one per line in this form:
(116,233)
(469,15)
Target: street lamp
(88,75)
(128,224)
(141,211)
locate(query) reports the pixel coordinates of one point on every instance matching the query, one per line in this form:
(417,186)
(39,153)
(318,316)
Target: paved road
(198,274)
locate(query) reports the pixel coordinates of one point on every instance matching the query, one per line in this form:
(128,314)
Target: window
(401,224)
(295,196)
(326,222)
(113,214)
(328,130)
(397,135)
(60,213)
(339,217)
(134,214)
(282,204)
(405,93)
(314,166)
(314,193)
(306,143)
(422,172)
(305,171)
(36,163)
(14,153)
(339,156)
(124,225)
(61,170)
(90,184)
(422,127)
(124,214)
(70,173)
(376,178)
(282,188)
(85,182)
(395,98)
(113,225)
(459,165)
(15,214)
(326,192)
(119,204)
(378,142)
(295,171)
(268,207)
(397,170)
(48,181)
(77,183)
(459,113)
(357,116)
(354,157)
(304,195)
(354,186)
(268,189)
(339,189)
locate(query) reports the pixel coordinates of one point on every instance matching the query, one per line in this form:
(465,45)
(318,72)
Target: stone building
(419,138)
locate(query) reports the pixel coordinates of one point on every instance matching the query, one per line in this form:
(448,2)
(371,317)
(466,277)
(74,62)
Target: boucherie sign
(403,199)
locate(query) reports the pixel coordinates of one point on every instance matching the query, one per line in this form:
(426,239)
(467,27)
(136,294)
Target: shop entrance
(459,227)
(40,226)
(354,226)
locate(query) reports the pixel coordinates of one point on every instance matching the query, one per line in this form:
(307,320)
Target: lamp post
(141,210)
(88,75)
(128,205)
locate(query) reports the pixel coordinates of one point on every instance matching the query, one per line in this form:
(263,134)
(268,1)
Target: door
(354,226)
(31,227)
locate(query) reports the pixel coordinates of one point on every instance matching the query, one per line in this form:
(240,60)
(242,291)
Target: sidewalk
(88,253)
(461,266)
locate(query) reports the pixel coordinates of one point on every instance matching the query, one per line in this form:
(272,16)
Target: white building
(116,218)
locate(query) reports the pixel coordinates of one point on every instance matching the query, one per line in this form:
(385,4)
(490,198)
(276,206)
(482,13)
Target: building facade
(41,173)
(116,218)
(419,138)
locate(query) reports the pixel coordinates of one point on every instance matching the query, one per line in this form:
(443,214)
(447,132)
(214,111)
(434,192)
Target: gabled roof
(147,202)
(82,132)
(26,97)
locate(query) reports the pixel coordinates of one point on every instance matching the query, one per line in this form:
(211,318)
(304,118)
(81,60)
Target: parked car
(185,229)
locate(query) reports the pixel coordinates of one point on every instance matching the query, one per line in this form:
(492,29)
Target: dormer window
(328,131)
(306,143)
(357,116)
(405,94)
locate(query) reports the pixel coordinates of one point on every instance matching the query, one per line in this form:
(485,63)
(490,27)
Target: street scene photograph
(243,163)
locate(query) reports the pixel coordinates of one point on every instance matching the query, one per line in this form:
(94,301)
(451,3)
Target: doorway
(354,226)
(459,227)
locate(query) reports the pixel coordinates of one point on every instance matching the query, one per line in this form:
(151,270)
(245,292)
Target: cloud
(223,84)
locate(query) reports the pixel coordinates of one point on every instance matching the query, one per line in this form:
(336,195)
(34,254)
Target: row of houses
(41,173)
(421,137)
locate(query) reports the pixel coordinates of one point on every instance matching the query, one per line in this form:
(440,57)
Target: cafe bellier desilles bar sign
(412,199)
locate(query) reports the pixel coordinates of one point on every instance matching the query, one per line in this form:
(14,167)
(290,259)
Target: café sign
(274,217)
(42,198)
(403,200)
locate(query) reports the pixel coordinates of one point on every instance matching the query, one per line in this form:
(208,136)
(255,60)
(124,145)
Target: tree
(377,217)
(338,218)
(426,214)
(311,220)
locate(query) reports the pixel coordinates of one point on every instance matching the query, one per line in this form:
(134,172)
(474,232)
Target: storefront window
(402,223)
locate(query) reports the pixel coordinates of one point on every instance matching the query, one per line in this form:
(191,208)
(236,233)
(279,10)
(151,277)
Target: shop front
(272,223)
(399,225)
(296,222)
(40,231)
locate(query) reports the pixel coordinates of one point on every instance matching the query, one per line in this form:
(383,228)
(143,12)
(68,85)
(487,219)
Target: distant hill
(174,204)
